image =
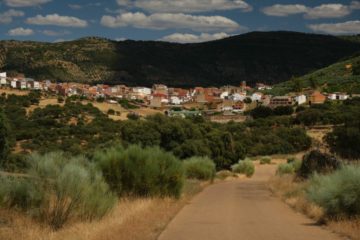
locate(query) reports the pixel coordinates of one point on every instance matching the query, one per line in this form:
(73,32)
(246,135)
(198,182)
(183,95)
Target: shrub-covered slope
(343,76)
(269,57)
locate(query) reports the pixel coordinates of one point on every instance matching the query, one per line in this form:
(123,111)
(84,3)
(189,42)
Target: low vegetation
(265,160)
(78,128)
(57,189)
(338,193)
(145,172)
(285,168)
(329,193)
(318,162)
(292,166)
(201,168)
(246,167)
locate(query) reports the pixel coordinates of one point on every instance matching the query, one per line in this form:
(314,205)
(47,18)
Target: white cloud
(162,21)
(186,6)
(20,32)
(7,17)
(355,5)
(75,6)
(78,6)
(334,10)
(192,38)
(280,10)
(60,40)
(350,27)
(57,20)
(55,33)
(25,3)
(328,11)
(120,39)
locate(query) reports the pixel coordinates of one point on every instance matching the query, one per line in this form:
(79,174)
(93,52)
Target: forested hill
(343,76)
(269,57)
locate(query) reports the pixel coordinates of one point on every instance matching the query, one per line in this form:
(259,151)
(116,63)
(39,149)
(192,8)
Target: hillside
(269,57)
(343,76)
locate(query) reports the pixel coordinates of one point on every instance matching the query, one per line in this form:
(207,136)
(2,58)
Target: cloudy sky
(172,20)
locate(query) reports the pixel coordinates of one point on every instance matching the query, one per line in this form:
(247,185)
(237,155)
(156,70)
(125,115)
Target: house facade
(300,99)
(280,101)
(3,80)
(317,98)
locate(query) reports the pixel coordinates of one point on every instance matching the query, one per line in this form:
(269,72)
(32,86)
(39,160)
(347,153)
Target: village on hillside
(218,104)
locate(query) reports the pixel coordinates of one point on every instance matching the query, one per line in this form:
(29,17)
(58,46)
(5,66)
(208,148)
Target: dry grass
(292,193)
(43,103)
(14,91)
(132,219)
(104,107)
(348,228)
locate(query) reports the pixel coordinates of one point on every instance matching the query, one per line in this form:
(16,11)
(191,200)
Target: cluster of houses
(224,99)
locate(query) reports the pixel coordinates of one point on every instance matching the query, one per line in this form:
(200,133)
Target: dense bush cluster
(330,113)
(201,168)
(345,140)
(56,189)
(246,167)
(318,162)
(141,172)
(79,128)
(264,112)
(265,160)
(338,193)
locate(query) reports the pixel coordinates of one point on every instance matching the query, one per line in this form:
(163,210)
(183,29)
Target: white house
(22,84)
(142,90)
(224,95)
(332,96)
(239,96)
(3,79)
(256,97)
(343,96)
(32,84)
(338,96)
(175,100)
(300,99)
(37,85)
(13,83)
(261,87)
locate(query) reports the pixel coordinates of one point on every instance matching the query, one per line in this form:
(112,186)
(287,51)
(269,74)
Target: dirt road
(242,210)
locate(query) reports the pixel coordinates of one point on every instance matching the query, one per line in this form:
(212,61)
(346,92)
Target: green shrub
(141,172)
(297,165)
(292,166)
(295,162)
(18,193)
(265,160)
(285,168)
(318,162)
(201,168)
(244,167)
(338,193)
(57,188)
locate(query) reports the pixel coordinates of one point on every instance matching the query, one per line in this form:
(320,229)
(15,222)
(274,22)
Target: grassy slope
(269,57)
(334,78)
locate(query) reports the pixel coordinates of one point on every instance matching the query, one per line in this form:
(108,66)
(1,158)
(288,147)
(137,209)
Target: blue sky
(172,20)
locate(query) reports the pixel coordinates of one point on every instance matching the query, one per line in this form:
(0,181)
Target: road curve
(242,210)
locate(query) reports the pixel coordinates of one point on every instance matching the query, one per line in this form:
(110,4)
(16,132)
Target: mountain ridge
(268,57)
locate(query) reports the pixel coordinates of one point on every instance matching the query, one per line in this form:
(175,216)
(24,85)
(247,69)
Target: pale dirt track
(242,210)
